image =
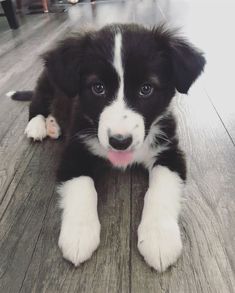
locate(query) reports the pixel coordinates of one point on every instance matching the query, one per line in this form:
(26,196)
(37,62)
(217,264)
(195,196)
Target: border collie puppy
(109,92)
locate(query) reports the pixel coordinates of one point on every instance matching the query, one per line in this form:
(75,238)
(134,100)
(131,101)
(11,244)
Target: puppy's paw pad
(160,244)
(79,242)
(36,128)
(53,129)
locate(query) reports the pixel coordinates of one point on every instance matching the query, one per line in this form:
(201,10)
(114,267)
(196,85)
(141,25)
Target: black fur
(42,97)
(76,155)
(64,88)
(173,159)
(22,96)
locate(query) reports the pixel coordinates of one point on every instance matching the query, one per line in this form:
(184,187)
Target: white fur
(117,118)
(80,228)
(144,154)
(117,63)
(112,119)
(36,128)
(94,146)
(147,154)
(159,238)
(10,93)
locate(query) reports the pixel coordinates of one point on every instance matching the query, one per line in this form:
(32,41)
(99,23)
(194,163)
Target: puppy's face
(125,77)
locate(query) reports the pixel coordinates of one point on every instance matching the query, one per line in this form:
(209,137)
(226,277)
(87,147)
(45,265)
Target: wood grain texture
(108,270)
(30,260)
(23,219)
(207,217)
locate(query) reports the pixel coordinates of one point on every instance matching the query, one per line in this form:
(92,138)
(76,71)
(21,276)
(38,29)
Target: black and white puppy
(109,91)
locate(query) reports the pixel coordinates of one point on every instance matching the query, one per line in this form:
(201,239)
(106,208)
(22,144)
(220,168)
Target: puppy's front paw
(159,243)
(78,242)
(36,128)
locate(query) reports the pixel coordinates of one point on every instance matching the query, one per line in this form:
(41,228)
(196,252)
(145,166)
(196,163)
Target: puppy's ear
(63,65)
(187,62)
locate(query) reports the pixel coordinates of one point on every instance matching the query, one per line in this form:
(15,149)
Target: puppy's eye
(98,89)
(146,90)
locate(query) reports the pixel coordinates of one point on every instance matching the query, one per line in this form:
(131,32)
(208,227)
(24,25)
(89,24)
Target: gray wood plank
(23,56)
(207,217)
(108,269)
(23,219)
(12,39)
(13,148)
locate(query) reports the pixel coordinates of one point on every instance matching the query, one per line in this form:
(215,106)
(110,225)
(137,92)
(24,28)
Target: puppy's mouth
(120,158)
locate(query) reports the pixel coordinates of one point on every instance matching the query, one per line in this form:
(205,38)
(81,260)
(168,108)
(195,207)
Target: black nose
(120,142)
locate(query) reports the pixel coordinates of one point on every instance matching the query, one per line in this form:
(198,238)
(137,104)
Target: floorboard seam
(39,234)
(220,118)
(16,184)
(10,126)
(27,36)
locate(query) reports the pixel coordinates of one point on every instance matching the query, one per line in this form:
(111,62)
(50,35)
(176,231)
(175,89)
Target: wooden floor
(30,260)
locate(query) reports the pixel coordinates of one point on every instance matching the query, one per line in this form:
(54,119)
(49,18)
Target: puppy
(109,92)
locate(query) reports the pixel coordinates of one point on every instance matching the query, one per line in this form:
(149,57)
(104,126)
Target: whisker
(85,133)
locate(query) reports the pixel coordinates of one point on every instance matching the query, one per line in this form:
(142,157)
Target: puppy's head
(125,77)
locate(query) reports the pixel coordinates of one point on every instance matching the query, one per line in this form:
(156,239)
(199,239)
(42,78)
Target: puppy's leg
(80,226)
(39,109)
(159,239)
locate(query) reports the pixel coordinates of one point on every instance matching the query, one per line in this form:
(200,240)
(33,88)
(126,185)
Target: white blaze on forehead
(117,63)
(117,117)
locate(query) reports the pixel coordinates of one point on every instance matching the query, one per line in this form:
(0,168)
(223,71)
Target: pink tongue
(120,158)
